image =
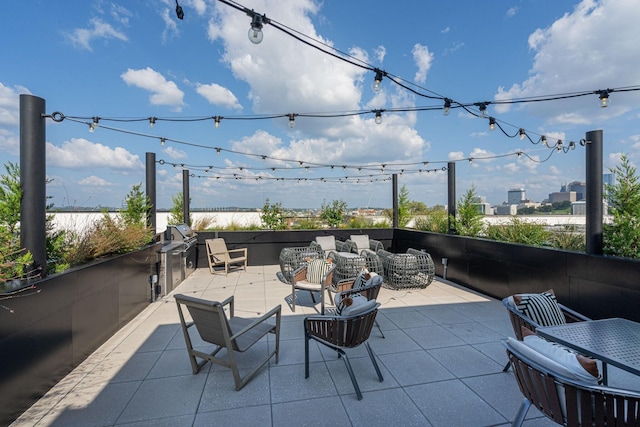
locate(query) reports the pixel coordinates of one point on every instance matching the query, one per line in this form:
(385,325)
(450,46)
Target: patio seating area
(441,358)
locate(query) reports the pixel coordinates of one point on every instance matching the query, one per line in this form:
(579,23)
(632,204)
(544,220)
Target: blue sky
(134,60)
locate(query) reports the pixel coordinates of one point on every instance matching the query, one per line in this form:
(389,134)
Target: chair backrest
(345,332)
(327,243)
(209,319)
(361,241)
(218,249)
(569,402)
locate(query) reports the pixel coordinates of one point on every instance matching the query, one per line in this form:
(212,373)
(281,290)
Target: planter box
(65,318)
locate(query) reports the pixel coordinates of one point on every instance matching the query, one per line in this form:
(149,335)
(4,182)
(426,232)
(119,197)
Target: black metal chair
(340,333)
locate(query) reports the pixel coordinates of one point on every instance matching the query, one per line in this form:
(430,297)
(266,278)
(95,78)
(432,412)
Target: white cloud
(82,37)
(423,59)
(218,95)
(555,170)
(576,53)
(380,53)
(175,153)
(9,142)
(10,104)
(456,155)
(445,30)
(512,11)
(164,92)
(94,181)
(79,153)
(170,25)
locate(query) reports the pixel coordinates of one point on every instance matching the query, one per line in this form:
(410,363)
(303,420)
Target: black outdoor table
(613,341)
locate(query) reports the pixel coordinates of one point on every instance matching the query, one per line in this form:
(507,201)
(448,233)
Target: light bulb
(162,141)
(292,120)
(378,117)
(604,98)
(447,107)
(492,123)
(522,134)
(377,80)
(216,121)
(152,122)
(543,140)
(255,32)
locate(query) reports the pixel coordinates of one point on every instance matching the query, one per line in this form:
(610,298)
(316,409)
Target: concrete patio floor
(441,360)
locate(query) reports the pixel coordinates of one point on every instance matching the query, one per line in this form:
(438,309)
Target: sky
(128,61)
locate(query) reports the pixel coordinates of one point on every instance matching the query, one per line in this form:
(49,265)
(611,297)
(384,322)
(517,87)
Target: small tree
(136,206)
(404,208)
(435,220)
(333,213)
(468,221)
(177,210)
(273,217)
(622,237)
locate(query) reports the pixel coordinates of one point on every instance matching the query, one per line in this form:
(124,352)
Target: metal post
(185,196)
(33,180)
(594,209)
(394,180)
(451,195)
(150,190)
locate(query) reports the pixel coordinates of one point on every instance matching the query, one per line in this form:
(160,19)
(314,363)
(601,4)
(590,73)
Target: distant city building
(515,196)
(608,179)
(562,196)
(580,208)
(484,208)
(506,209)
(580,188)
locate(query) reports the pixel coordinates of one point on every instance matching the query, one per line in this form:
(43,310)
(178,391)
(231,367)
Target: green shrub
(622,236)
(333,213)
(436,221)
(273,217)
(569,237)
(518,231)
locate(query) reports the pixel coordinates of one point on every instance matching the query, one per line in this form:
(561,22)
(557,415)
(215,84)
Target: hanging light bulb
(179,11)
(378,117)
(255,32)
(377,80)
(604,98)
(162,141)
(292,120)
(447,107)
(94,125)
(522,134)
(572,145)
(559,145)
(218,150)
(152,121)
(216,121)
(492,123)
(543,139)
(482,106)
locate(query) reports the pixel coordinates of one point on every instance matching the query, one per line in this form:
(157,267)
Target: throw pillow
(561,355)
(316,269)
(542,308)
(328,243)
(361,241)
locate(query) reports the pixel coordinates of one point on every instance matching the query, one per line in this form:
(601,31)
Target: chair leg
(507,366)
(353,377)
(522,412)
(293,298)
(378,326)
(373,359)
(306,355)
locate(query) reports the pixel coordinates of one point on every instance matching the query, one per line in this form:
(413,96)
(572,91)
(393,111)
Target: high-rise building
(515,196)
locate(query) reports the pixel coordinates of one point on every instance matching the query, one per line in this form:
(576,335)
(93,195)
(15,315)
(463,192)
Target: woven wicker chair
(518,320)
(414,269)
(328,244)
(568,402)
(357,243)
(340,333)
(293,258)
(234,334)
(302,280)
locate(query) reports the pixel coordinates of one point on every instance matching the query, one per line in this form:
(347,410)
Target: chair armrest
(300,273)
(374,245)
(229,301)
(349,246)
(341,246)
(277,310)
(571,315)
(232,251)
(344,285)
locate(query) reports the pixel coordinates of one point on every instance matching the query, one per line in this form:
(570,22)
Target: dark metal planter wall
(50,332)
(594,285)
(264,246)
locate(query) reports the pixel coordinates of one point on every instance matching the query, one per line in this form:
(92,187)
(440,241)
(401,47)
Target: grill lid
(179,232)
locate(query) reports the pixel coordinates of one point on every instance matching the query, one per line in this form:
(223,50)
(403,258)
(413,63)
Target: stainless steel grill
(178,256)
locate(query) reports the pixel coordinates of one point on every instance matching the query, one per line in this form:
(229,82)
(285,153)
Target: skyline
(137,60)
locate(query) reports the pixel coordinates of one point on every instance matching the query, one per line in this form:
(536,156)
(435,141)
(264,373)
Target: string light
(482,106)
(179,11)
(94,125)
(447,107)
(152,121)
(543,139)
(522,134)
(255,31)
(216,121)
(377,79)
(604,98)
(378,117)
(292,120)
(162,141)
(492,123)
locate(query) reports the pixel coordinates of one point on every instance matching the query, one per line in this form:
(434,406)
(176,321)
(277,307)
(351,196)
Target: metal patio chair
(218,254)
(235,334)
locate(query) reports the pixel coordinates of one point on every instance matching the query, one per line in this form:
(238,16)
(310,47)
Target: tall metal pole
(451,195)
(185,196)
(394,180)
(150,190)
(33,180)
(594,192)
